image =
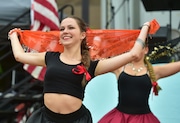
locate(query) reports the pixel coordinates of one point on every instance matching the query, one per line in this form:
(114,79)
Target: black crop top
(59,77)
(134,93)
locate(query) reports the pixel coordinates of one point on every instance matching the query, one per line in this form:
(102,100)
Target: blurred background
(21,85)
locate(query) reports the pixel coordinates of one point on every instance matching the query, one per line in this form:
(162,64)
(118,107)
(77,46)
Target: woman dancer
(135,81)
(68,72)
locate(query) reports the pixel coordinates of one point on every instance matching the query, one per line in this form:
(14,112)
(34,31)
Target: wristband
(141,42)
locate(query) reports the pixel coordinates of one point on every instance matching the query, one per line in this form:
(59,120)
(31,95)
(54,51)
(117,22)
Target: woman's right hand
(13,32)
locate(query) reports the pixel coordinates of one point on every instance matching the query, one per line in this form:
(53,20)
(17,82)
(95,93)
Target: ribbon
(155,90)
(80,69)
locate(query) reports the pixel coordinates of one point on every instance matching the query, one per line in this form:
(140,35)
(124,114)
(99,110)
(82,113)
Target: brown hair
(84,47)
(150,69)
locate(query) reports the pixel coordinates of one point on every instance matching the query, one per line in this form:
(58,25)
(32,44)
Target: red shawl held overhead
(102,43)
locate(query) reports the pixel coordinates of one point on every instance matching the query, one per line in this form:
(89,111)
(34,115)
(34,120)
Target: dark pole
(85,10)
(170,23)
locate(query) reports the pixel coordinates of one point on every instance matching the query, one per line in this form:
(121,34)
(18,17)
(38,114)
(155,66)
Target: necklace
(136,70)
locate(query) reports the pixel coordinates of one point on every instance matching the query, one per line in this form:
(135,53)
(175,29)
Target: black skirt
(44,115)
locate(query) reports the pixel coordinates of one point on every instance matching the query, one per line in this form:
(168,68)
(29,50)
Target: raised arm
(111,64)
(24,57)
(166,70)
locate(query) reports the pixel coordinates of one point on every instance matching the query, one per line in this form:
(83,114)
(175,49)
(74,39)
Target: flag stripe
(36,70)
(29,68)
(48,4)
(42,73)
(46,11)
(39,26)
(47,17)
(45,20)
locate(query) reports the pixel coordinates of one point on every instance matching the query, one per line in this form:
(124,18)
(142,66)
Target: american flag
(44,17)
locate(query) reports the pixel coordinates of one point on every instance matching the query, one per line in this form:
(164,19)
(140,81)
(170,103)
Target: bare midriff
(62,103)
